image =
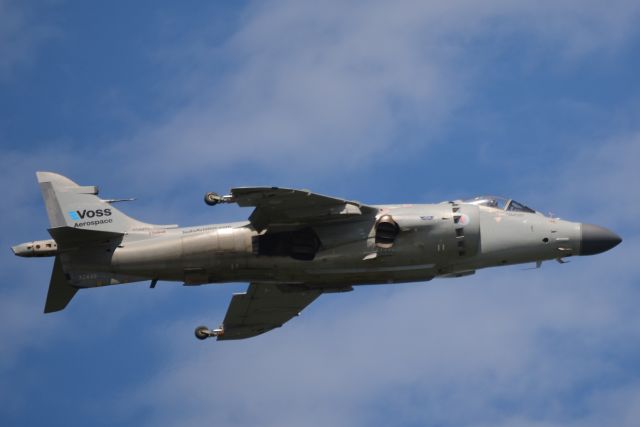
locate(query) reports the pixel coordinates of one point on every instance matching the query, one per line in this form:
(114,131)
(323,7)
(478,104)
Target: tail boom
(85,231)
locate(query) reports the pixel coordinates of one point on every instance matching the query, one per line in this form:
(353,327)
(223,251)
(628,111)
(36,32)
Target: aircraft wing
(263,307)
(284,207)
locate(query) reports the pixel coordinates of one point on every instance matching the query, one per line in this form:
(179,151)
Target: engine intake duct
(386,231)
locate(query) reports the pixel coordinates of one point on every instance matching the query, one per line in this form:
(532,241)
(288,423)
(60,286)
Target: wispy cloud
(601,183)
(472,352)
(317,87)
(20,35)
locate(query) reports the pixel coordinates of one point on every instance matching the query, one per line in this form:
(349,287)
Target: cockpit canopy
(501,203)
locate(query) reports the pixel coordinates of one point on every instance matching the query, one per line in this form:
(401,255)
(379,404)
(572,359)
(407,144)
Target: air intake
(386,232)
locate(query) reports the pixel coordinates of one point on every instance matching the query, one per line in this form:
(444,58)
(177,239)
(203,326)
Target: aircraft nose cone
(597,239)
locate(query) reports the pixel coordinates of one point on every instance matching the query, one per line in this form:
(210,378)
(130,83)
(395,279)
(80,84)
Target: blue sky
(406,101)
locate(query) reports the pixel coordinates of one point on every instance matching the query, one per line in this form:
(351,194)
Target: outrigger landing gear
(213,199)
(203,332)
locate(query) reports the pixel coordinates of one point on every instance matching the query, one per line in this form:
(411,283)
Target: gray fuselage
(447,239)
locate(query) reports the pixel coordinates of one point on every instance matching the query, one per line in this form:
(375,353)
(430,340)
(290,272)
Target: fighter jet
(295,246)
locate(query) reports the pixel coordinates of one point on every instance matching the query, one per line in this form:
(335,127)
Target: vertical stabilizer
(71,205)
(85,230)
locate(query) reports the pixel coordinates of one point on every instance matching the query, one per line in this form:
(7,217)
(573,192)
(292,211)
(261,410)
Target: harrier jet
(295,246)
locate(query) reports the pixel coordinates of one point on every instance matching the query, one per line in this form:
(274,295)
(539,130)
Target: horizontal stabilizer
(60,291)
(70,236)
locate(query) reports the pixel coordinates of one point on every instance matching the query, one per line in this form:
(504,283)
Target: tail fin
(83,226)
(71,205)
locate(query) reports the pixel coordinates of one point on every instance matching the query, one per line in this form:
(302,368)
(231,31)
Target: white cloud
(21,314)
(20,35)
(602,180)
(319,87)
(446,352)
